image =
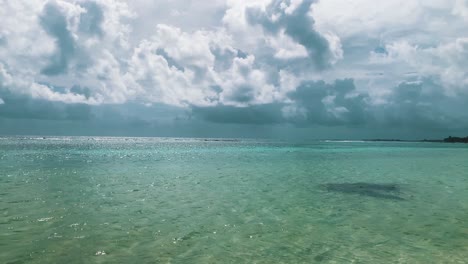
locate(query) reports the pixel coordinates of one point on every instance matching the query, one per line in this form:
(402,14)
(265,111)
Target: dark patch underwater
(375,190)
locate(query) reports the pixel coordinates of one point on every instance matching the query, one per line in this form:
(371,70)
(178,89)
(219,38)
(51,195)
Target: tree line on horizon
(451,139)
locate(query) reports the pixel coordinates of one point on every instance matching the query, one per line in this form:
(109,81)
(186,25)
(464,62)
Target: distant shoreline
(450,139)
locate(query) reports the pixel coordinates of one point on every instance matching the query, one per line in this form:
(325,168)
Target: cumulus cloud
(54,22)
(412,104)
(423,104)
(282,30)
(27,86)
(61,43)
(311,103)
(200,68)
(292,19)
(447,61)
(329,104)
(301,62)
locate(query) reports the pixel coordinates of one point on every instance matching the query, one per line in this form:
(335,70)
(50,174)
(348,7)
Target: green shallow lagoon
(153,200)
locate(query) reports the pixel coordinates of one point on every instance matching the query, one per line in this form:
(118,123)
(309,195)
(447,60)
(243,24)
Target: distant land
(456,140)
(450,139)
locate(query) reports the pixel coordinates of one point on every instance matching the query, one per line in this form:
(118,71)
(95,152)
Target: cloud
(311,103)
(292,19)
(447,61)
(418,104)
(329,104)
(199,68)
(282,31)
(23,107)
(91,19)
(423,104)
(301,62)
(45,43)
(55,24)
(461,9)
(256,114)
(29,88)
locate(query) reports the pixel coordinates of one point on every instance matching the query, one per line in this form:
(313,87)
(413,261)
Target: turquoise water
(150,200)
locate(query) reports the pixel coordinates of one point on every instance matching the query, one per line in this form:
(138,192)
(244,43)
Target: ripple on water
(75,200)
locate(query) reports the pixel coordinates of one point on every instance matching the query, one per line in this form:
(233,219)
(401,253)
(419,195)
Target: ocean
(171,200)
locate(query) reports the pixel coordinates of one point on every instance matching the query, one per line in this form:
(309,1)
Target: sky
(289,69)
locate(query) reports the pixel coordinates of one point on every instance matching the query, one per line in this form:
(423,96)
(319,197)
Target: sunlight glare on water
(167,200)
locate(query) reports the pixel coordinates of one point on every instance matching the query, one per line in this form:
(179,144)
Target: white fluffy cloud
(60,43)
(199,68)
(389,40)
(230,52)
(448,61)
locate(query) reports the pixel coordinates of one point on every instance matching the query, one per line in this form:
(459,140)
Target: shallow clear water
(64,200)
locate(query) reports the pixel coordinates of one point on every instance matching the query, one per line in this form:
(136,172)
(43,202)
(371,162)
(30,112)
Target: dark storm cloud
(414,107)
(55,24)
(21,114)
(3,40)
(85,91)
(411,105)
(309,107)
(423,104)
(91,20)
(256,114)
(298,25)
(381,50)
(24,107)
(342,107)
(242,94)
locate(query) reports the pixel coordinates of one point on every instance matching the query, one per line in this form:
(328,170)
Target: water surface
(153,200)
